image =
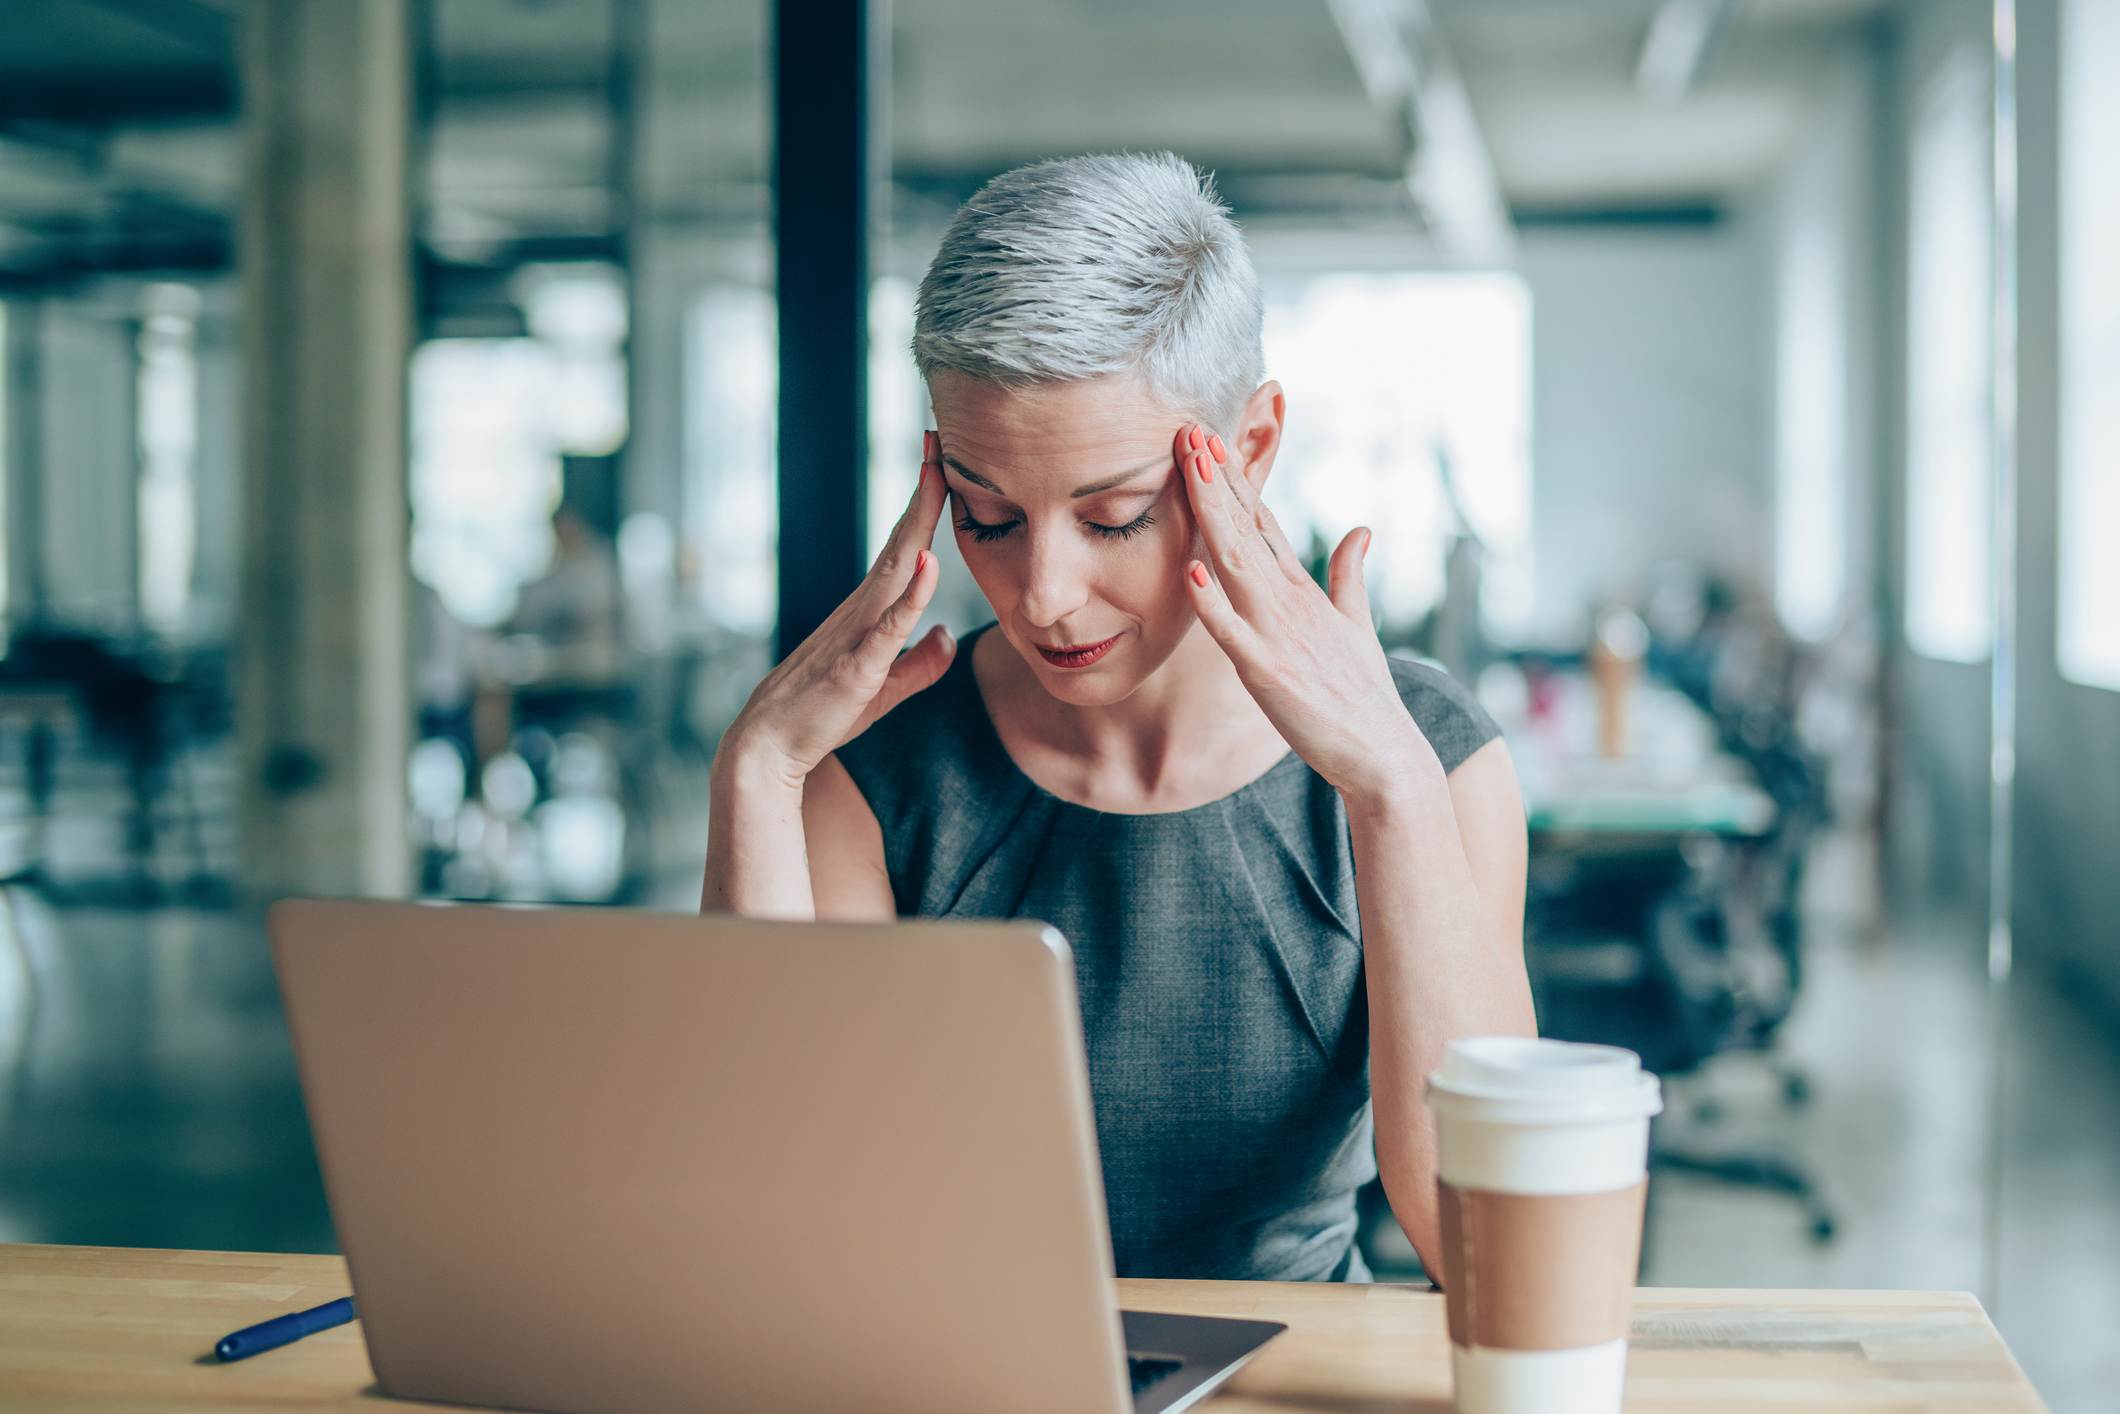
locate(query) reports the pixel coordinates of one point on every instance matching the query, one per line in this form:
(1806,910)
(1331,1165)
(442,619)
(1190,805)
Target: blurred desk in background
(132,1328)
(1578,800)
(1674,779)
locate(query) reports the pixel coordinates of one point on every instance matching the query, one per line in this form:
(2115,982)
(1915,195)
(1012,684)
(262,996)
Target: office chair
(1680,955)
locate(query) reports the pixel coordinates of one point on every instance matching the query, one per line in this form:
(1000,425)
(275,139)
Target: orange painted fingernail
(1214,444)
(920,562)
(1199,574)
(1207,468)
(1196,439)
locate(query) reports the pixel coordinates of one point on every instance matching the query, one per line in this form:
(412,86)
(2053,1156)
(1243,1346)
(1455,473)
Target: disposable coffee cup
(1542,1173)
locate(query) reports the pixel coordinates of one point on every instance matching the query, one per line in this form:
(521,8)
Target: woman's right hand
(850,672)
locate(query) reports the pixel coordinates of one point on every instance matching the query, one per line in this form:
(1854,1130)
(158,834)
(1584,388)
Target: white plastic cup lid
(1531,1080)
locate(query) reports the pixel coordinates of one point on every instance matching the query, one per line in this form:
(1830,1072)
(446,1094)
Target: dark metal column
(828,89)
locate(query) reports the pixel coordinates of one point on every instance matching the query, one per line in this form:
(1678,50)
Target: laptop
(601,1159)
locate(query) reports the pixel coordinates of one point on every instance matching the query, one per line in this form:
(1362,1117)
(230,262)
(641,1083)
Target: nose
(1055,585)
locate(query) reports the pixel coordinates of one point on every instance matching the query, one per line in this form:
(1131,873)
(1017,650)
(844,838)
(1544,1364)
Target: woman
(1290,868)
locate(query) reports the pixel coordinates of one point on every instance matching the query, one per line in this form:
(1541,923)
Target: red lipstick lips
(1078,657)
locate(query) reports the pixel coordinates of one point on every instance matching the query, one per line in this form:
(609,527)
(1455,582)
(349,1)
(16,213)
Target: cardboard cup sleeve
(1540,1271)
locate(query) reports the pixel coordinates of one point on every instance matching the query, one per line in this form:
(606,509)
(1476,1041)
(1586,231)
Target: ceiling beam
(1679,36)
(1407,71)
(195,24)
(118,99)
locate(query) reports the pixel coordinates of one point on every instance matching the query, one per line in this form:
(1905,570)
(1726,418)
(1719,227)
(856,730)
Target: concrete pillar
(323,707)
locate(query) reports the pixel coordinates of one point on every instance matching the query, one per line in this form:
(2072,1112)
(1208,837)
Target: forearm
(1433,971)
(758,862)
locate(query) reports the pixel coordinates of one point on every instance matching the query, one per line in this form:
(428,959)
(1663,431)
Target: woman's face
(1068,510)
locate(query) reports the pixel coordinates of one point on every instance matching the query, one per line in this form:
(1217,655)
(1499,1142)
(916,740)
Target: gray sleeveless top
(1219,961)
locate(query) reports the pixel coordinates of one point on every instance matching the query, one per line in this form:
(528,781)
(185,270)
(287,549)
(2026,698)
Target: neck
(1193,709)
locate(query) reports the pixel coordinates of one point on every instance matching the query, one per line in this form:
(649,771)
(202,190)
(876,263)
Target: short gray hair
(1107,263)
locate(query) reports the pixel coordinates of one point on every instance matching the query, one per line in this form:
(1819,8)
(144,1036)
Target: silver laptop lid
(602,1159)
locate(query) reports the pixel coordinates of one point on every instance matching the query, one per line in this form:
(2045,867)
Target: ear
(1258,433)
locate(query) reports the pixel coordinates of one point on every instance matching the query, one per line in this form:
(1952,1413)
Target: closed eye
(982,532)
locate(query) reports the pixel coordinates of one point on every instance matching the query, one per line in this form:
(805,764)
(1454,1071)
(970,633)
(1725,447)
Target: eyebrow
(1080,491)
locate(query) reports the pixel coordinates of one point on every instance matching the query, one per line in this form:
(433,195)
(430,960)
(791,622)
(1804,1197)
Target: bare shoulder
(849,878)
(1485,783)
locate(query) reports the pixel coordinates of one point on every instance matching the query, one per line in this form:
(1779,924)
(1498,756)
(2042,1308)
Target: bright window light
(1409,411)
(485,472)
(732,505)
(167,396)
(491,421)
(896,404)
(578,314)
(1949,413)
(2087,642)
(1810,531)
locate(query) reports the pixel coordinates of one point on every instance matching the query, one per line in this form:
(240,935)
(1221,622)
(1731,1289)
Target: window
(732,500)
(485,475)
(167,392)
(491,421)
(1949,373)
(1409,412)
(897,410)
(1810,531)
(2087,642)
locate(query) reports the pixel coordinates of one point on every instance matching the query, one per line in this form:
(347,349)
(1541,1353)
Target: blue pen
(272,1334)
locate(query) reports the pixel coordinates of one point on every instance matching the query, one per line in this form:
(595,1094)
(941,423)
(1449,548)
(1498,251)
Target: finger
(1285,554)
(1224,624)
(918,668)
(1241,559)
(894,570)
(915,529)
(933,492)
(1261,515)
(1344,580)
(878,648)
(1240,487)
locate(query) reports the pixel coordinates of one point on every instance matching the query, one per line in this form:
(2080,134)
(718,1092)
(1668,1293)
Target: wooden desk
(110,1328)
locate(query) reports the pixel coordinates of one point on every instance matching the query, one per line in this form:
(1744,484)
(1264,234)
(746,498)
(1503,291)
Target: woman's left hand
(1309,657)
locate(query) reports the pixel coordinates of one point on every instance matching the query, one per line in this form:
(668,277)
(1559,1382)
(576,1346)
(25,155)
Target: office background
(419,434)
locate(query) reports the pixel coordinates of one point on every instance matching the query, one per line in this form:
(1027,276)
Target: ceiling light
(1671,52)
